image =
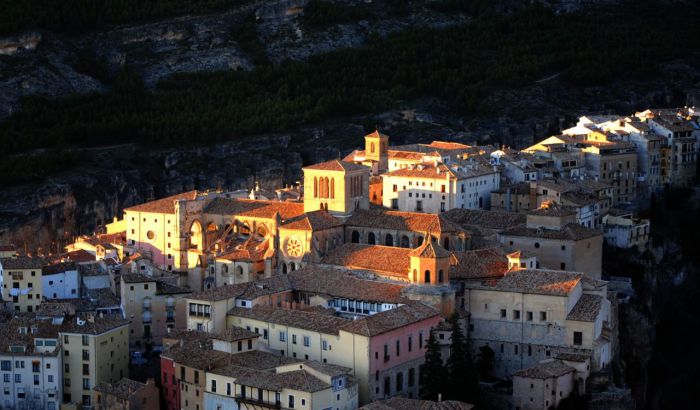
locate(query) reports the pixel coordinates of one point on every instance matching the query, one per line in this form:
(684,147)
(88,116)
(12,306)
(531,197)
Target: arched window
(332,188)
(284,268)
(537,245)
(405,243)
(239,270)
(292,267)
(224,269)
(419,241)
(440,276)
(315,187)
(355,237)
(389,240)
(415,275)
(371,239)
(426,278)
(371,148)
(446,243)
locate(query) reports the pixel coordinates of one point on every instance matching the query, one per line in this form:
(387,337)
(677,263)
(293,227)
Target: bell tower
(376,151)
(430,264)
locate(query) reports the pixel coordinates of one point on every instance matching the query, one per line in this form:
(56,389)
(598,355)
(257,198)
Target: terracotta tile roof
(164,205)
(579,199)
(426,170)
(448,145)
(247,290)
(387,260)
(123,389)
(164,288)
(415,156)
(402,403)
(428,250)
(484,219)
(391,319)
(312,221)
(100,324)
(477,264)
(300,319)
(136,278)
(337,165)
(570,232)
(197,357)
(10,335)
(327,368)
(586,309)
(545,370)
(79,256)
(673,123)
(553,209)
(572,357)
(23,262)
(254,208)
(522,188)
(402,221)
(235,333)
(60,267)
(539,281)
(338,283)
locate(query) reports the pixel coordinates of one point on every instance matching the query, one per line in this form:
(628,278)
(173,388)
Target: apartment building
(32,364)
(95,350)
(22,282)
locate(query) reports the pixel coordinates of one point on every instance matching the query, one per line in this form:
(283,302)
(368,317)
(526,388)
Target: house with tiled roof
(529,315)
(543,385)
(126,394)
(22,282)
(385,350)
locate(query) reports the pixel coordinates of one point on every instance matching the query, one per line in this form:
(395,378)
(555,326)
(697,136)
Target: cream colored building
(558,241)
(153,307)
(532,315)
(95,349)
(543,386)
(21,282)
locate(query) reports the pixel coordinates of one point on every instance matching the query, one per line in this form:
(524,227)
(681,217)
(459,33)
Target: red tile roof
(402,221)
(164,205)
(254,208)
(385,260)
(312,221)
(337,165)
(478,264)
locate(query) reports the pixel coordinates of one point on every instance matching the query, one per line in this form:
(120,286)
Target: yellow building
(95,350)
(21,282)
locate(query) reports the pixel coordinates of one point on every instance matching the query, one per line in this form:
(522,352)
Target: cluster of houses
(324,295)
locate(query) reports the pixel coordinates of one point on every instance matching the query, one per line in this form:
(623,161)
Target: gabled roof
(402,221)
(336,165)
(539,281)
(339,283)
(391,319)
(254,208)
(545,370)
(22,262)
(387,260)
(479,264)
(312,221)
(586,309)
(164,205)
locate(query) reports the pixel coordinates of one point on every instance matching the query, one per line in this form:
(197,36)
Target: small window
(503,313)
(578,338)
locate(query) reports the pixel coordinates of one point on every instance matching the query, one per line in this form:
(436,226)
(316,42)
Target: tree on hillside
(462,377)
(432,375)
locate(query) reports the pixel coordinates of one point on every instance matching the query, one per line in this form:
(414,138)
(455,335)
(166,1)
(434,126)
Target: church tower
(336,186)
(376,152)
(430,264)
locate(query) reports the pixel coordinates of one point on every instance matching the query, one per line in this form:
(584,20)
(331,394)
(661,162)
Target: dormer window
(23,330)
(35,329)
(18,349)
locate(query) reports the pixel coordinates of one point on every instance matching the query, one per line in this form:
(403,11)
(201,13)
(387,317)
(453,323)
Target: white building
(60,281)
(622,230)
(31,365)
(435,187)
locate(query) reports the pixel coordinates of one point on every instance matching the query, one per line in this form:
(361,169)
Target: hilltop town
(351,288)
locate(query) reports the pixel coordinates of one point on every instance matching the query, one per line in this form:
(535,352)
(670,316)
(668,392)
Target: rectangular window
(213,386)
(86,340)
(516,315)
(410,343)
(578,338)
(307,341)
(529,316)
(398,348)
(324,345)
(543,316)
(86,369)
(6,365)
(503,313)
(283,336)
(420,340)
(291,401)
(294,339)
(86,384)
